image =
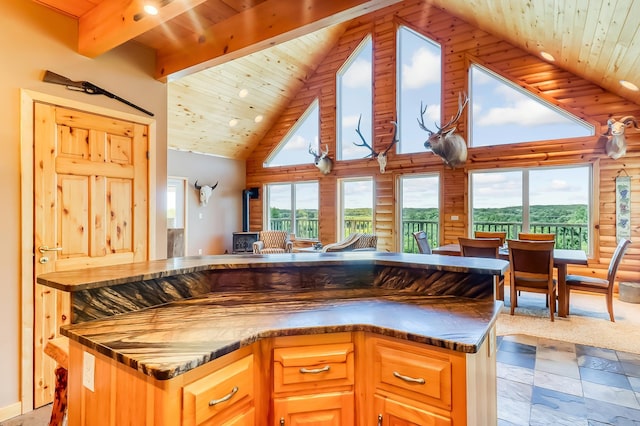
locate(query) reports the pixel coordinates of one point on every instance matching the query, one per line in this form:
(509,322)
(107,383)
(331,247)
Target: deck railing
(568,236)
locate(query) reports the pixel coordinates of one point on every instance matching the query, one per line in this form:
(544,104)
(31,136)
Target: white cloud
(358,75)
(524,112)
(424,68)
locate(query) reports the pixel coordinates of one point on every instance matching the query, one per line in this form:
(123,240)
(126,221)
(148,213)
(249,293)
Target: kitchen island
(284,339)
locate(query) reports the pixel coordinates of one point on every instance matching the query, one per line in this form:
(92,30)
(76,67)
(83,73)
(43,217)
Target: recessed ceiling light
(258,118)
(548,56)
(243,93)
(150,9)
(233,122)
(629,85)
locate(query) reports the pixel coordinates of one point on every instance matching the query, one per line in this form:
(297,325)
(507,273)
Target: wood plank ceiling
(244,60)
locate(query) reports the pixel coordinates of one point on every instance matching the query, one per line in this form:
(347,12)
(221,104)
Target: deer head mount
(322,160)
(614,140)
(445,143)
(380,156)
(205,192)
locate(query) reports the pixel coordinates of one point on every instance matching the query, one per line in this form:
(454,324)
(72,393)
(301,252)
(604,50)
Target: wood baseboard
(10,411)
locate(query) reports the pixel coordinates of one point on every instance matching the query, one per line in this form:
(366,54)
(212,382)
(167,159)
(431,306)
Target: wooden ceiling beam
(114,22)
(262,26)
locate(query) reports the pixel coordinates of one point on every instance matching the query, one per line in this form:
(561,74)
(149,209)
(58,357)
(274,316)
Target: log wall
(462,44)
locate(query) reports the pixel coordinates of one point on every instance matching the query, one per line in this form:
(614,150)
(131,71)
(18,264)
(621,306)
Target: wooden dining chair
(490,234)
(599,285)
(479,247)
(531,269)
(484,247)
(526,236)
(423,242)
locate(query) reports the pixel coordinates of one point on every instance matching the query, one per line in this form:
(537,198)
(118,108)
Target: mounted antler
(615,142)
(445,143)
(380,156)
(322,160)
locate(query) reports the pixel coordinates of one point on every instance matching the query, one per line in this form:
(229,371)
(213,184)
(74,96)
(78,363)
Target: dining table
(561,259)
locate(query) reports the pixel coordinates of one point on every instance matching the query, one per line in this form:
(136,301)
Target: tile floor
(549,382)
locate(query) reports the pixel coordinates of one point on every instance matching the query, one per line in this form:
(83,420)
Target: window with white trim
(504,113)
(555,200)
(356,206)
(419,209)
(294,147)
(293,207)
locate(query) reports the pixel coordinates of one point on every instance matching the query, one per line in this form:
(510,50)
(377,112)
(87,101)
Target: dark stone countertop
(168,340)
(107,276)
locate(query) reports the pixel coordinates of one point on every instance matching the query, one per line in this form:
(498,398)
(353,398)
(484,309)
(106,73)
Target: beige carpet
(587,324)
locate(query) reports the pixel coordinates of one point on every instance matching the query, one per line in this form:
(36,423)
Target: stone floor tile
(556,345)
(617,396)
(560,401)
(610,414)
(519,359)
(605,378)
(514,390)
(600,363)
(514,373)
(558,383)
(517,347)
(514,412)
(561,368)
(545,416)
(597,352)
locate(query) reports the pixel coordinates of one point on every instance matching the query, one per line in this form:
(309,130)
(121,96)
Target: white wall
(33,39)
(210,227)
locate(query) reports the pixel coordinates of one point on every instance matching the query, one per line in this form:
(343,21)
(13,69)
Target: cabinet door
(244,418)
(394,413)
(333,409)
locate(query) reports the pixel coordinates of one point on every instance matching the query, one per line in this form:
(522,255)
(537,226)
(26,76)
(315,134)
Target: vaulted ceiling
(232,66)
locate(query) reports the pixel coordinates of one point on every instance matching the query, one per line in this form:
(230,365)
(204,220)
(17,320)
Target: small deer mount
(615,144)
(205,192)
(322,160)
(449,146)
(381,157)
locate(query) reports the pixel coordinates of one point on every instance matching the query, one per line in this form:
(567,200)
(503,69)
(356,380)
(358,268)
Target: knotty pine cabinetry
(336,379)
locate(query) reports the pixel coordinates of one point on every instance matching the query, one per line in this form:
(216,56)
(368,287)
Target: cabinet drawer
(418,374)
(219,391)
(298,367)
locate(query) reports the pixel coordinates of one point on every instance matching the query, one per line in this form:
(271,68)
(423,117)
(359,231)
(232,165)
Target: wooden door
(91,209)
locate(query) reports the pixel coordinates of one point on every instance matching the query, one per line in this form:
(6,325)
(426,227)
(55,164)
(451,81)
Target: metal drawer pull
(379,419)
(224,398)
(314,370)
(420,380)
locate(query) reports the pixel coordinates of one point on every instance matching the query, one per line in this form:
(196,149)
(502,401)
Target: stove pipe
(246,195)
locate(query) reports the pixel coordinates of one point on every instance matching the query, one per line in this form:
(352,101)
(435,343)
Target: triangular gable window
(294,147)
(503,113)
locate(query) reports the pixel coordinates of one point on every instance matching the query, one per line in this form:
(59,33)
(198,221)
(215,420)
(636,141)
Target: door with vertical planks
(91,209)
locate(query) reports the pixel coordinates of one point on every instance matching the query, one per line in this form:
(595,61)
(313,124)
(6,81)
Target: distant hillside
(570,214)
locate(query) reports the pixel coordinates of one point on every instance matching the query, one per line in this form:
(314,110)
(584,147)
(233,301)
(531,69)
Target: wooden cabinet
(313,380)
(415,384)
(335,379)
